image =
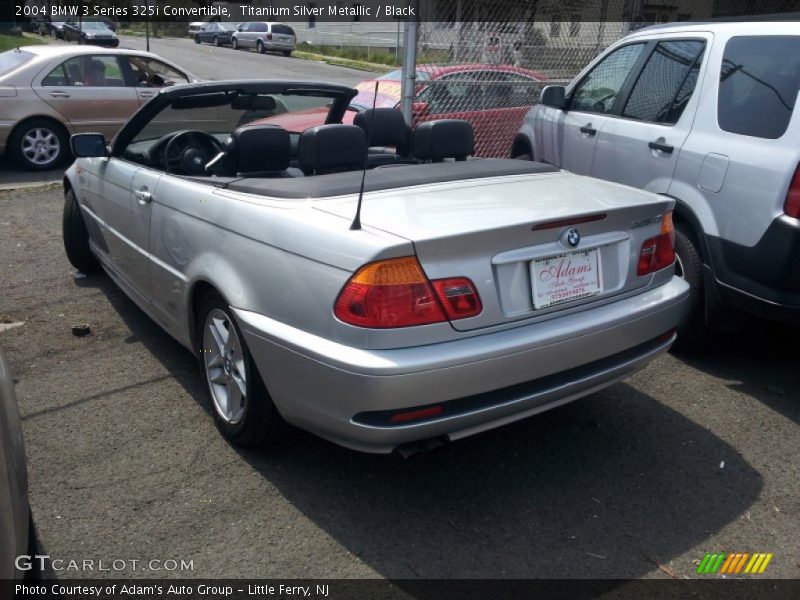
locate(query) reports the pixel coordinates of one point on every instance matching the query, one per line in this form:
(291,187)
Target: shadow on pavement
(604,487)
(761,361)
(12,176)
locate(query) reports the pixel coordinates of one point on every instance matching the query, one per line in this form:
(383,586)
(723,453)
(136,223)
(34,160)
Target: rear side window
(758,85)
(13,59)
(282,30)
(666,82)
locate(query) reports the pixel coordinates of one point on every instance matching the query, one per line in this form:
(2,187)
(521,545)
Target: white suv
(705,113)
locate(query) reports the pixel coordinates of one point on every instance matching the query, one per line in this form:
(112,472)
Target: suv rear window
(13,59)
(758,85)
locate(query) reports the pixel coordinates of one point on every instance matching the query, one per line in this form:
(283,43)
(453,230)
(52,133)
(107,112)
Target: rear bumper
(763,279)
(485,381)
(278,46)
(105,43)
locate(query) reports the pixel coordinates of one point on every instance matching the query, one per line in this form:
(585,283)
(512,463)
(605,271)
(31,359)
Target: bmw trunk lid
(533,245)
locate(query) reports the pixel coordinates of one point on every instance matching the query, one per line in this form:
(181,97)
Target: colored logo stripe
(734,562)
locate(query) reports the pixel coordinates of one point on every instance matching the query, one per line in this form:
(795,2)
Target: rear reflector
(416,415)
(658,252)
(459,297)
(792,205)
(396,293)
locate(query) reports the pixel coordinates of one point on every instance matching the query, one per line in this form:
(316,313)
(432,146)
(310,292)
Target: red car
(494,98)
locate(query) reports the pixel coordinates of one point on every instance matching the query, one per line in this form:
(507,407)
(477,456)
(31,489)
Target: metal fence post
(409,70)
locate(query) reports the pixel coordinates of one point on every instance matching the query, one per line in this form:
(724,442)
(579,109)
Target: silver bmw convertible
(374,285)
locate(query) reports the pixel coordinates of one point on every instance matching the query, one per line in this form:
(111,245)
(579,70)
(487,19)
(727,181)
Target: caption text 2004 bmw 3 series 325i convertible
(470,292)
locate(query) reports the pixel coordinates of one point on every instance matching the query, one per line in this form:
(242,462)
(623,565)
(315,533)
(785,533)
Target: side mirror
(421,109)
(87,145)
(553,96)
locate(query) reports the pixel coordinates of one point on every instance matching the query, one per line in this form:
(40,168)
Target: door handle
(661,147)
(588,129)
(146,94)
(59,95)
(143,196)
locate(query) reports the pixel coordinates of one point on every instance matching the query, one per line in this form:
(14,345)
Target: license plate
(565,277)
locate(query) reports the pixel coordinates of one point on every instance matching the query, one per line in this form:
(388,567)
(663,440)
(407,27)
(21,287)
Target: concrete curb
(27,185)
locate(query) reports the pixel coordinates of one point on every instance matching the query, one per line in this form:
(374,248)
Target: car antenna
(356,224)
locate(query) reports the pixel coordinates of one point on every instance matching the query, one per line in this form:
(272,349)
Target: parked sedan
(49,92)
(90,32)
(455,296)
(15,529)
(215,33)
(494,98)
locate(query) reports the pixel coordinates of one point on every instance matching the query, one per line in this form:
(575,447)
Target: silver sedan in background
(15,530)
(50,92)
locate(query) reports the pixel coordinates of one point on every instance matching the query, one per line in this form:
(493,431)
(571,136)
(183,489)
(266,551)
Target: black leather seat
(331,149)
(388,135)
(255,151)
(445,138)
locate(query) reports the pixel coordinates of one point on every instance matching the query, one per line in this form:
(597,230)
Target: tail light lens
(792,205)
(396,293)
(269,37)
(658,252)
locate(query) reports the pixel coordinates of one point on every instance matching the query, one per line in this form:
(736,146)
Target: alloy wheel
(223,359)
(40,146)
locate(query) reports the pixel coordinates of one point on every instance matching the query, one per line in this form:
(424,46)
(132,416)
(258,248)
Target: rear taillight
(658,252)
(269,37)
(396,293)
(792,205)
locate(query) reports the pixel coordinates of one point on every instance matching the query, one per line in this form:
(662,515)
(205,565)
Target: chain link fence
(487,60)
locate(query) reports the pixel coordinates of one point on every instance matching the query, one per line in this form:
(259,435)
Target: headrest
(256,148)
(445,138)
(385,127)
(332,147)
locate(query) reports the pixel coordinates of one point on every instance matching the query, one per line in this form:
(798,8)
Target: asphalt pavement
(693,455)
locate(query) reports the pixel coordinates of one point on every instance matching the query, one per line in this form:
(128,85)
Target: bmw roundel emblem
(573,238)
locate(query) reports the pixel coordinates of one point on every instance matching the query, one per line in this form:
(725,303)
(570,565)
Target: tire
(196,39)
(234,43)
(216,41)
(76,238)
(287,53)
(23,142)
(251,419)
(260,47)
(689,266)
(33,574)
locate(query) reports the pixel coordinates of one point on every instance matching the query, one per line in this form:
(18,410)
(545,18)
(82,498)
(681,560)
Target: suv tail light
(396,293)
(269,37)
(792,205)
(658,252)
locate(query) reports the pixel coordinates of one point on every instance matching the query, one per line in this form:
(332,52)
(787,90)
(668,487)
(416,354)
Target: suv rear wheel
(689,266)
